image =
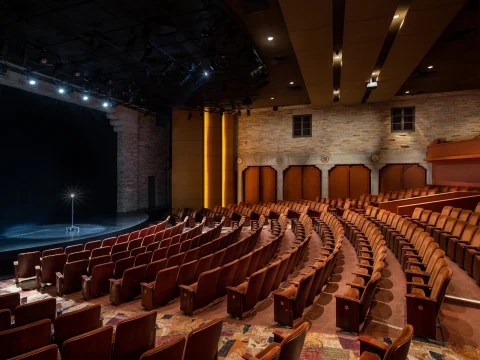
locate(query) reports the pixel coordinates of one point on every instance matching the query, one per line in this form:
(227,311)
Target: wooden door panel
(414,176)
(292,183)
(312,182)
(338,180)
(251,184)
(391,178)
(268,184)
(359,181)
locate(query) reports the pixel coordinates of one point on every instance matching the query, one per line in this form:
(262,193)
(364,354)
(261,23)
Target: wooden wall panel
(312,182)
(359,181)
(414,176)
(338,179)
(292,183)
(391,177)
(252,184)
(268,184)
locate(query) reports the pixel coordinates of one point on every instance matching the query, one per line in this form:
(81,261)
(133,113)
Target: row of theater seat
(457,232)
(290,303)
(80,334)
(188,268)
(241,299)
(354,305)
(25,265)
(420,257)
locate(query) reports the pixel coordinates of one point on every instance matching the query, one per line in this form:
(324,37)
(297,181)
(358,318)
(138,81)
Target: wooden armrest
(347,298)
(37,267)
(147,285)
(278,336)
(361,274)
(15,263)
(373,342)
(115,281)
(423,298)
(59,275)
(360,287)
(423,286)
(231,288)
(86,278)
(365,266)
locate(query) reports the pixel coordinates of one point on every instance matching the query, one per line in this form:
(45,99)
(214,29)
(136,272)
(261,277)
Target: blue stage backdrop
(47,149)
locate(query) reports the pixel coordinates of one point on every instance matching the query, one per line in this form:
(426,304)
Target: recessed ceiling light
(85,97)
(407,92)
(396,16)
(32,82)
(270,38)
(272,98)
(430,66)
(337,56)
(291,82)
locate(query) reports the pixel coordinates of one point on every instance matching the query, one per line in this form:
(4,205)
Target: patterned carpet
(238,339)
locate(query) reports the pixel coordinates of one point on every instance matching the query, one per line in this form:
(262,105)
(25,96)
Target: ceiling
(143,53)
(150,54)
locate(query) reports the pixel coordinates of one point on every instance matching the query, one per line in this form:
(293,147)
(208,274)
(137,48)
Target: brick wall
(141,152)
(351,134)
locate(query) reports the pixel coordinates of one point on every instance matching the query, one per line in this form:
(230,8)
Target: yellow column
(228,179)
(212,160)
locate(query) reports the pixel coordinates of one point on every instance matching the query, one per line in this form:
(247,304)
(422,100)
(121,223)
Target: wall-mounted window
(403,119)
(302,125)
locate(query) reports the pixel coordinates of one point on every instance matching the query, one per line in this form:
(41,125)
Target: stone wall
(141,152)
(352,134)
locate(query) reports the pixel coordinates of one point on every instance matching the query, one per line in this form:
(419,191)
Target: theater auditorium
(240,179)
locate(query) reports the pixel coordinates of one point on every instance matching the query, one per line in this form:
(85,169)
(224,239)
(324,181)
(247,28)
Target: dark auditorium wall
(47,148)
(349,135)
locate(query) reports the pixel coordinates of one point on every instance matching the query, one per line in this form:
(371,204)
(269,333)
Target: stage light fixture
(61,90)
(270,38)
(31,81)
(206,73)
(430,66)
(105,104)
(72,195)
(396,16)
(291,82)
(272,98)
(407,92)
(85,97)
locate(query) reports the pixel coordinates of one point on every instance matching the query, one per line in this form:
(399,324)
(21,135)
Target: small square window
(403,119)
(302,125)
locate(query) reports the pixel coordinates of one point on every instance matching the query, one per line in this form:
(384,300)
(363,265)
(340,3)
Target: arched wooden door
(348,181)
(402,176)
(302,182)
(259,184)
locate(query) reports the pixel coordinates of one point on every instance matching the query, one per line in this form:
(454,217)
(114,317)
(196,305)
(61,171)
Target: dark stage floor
(39,237)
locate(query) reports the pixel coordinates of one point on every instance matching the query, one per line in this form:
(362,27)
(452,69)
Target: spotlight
(248,112)
(72,195)
(31,81)
(396,16)
(61,90)
(272,98)
(190,115)
(105,104)
(85,97)
(291,82)
(407,92)
(270,38)
(430,66)
(206,73)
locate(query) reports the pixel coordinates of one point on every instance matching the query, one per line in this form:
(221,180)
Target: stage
(27,238)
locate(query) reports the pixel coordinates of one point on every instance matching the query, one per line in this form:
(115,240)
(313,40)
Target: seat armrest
(365,266)
(342,297)
(278,337)
(356,273)
(59,275)
(114,281)
(231,288)
(365,340)
(411,274)
(147,285)
(419,264)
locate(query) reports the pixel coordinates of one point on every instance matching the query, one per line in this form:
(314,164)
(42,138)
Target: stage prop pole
(72,228)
